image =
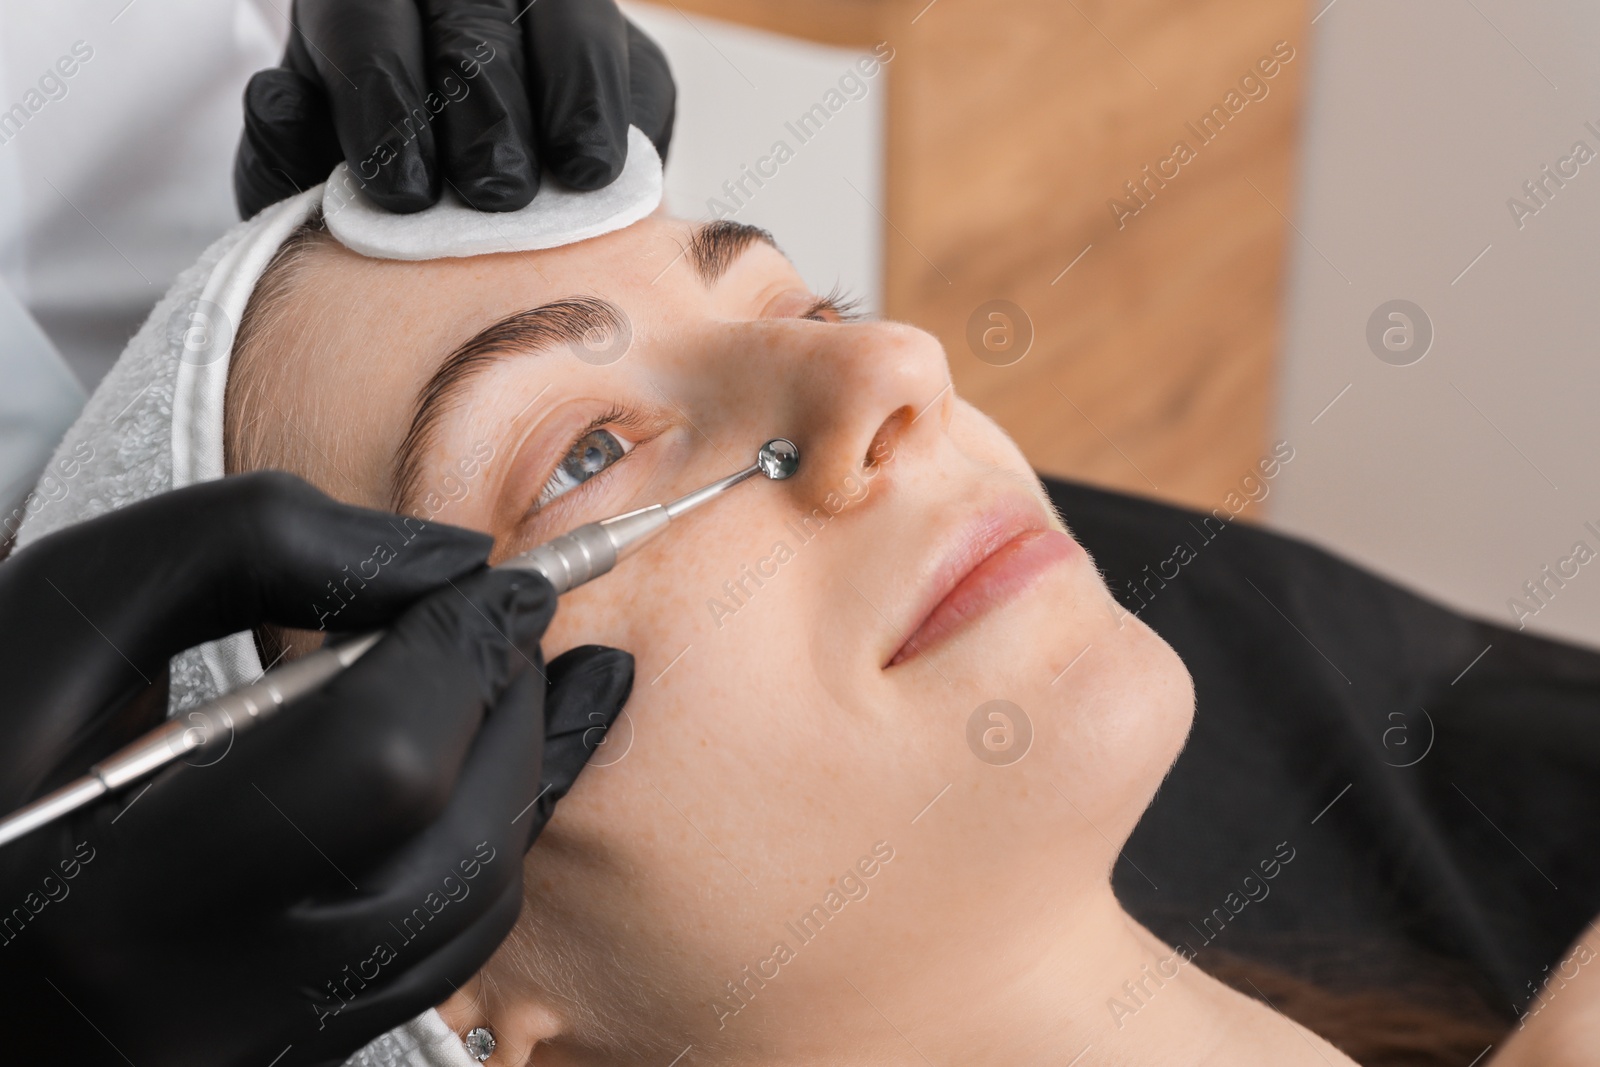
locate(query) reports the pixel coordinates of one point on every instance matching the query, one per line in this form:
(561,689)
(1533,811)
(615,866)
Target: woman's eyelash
(620,417)
(842,305)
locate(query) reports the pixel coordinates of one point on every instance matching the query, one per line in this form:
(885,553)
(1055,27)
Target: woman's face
(799,698)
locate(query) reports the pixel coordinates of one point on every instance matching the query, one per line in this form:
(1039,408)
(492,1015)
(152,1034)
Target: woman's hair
(267,307)
(1377,1027)
(1421,1025)
(245,444)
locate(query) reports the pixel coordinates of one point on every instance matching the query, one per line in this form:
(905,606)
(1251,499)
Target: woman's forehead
(656,259)
(658,266)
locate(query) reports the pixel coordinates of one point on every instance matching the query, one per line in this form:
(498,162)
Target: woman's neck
(1101,991)
(1090,988)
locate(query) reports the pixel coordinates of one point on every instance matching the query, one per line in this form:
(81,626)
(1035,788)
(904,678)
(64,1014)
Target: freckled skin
(776,750)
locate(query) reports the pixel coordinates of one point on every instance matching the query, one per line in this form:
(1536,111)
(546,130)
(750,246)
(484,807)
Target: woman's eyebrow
(714,246)
(571,321)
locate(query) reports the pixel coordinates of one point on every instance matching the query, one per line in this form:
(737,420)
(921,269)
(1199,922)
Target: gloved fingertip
(589,686)
(661,136)
(287,143)
(469,542)
(498,192)
(404,197)
(587,664)
(652,94)
(529,604)
(586,171)
(253,187)
(442,540)
(403,179)
(280,97)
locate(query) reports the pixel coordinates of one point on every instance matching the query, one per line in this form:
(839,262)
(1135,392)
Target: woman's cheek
(981,439)
(583,618)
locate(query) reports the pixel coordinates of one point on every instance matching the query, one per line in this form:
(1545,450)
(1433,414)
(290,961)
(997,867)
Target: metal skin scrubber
(567,562)
(594,548)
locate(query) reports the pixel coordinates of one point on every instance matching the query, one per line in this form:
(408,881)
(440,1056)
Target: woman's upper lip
(969,545)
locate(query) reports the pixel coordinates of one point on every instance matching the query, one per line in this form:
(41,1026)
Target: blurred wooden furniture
(1012,124)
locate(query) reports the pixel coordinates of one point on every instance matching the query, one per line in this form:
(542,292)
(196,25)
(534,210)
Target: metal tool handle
(592,549)
(236,711)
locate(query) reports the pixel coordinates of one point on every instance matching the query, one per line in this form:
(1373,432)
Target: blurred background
(1159,238)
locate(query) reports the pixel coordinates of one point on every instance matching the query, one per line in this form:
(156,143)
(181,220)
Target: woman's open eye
(592,453)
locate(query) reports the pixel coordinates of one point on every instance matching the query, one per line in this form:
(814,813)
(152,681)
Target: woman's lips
(1005,555)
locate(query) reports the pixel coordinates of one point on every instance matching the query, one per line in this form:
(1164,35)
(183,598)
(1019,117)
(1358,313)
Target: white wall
(1465,473)
(739,91)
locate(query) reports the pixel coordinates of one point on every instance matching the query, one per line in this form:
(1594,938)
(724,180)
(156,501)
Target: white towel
(423,1042)
(156,420)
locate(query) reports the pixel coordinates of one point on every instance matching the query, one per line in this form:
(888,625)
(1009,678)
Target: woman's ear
(519,1023)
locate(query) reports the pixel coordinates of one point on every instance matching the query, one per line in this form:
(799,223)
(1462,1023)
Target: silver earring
(480,1043)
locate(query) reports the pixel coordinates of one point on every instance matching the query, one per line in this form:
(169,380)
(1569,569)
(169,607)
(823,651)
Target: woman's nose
(857,394)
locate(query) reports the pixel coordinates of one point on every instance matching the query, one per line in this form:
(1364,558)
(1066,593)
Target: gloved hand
(297,890)
(477,93)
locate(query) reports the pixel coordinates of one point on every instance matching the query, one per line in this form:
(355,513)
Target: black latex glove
(317,880)
(477,93)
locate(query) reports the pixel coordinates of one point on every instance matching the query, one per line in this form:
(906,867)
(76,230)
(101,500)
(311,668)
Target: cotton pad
(557,216)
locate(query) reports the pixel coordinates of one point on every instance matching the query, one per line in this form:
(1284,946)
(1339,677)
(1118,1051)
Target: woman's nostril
(881,450)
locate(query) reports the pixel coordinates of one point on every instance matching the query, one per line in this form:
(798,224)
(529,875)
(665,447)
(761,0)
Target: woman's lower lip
(1009,570)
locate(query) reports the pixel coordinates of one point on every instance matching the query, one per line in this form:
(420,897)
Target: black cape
(1437,778)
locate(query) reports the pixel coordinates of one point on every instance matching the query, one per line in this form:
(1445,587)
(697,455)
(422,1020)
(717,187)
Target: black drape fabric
(1435,778)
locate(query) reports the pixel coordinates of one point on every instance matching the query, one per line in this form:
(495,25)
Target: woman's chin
(1076,701)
